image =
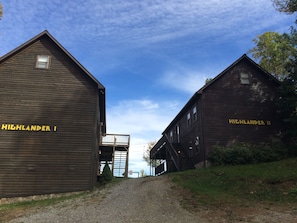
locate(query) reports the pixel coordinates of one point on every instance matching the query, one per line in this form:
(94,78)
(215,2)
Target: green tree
(287,6)
(287,103)
(277,53)
(1,11)
(273,51)
(146,155)
(142,173)
(106,175)
(207,80)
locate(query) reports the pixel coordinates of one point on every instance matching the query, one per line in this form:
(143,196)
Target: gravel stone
(140,200)
(145,200)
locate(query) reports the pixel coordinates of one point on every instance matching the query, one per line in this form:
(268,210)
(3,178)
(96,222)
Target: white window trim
(244,78)
(171,136)
(195,113)
(177,132)
(43,61)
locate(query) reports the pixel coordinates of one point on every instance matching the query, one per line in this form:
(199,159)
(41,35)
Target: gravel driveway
(151,199)
(134,200)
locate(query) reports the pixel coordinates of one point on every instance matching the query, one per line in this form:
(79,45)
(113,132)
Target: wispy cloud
(144,120)
(108,29)
(174,44)
(148,22)
(188,81)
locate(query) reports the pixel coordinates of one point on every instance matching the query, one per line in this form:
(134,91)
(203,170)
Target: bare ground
(151,199)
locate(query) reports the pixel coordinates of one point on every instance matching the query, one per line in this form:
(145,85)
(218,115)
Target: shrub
(267,152)
(106,175)
(293,149)
(242,153)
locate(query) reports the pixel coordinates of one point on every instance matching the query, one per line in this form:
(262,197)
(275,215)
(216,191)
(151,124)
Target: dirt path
(145,200)
(134,200)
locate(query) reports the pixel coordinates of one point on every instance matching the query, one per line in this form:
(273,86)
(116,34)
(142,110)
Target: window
(190,151)
(171,136)
(177,132)
(197,144)
(244,78)
(42,61)
(189,119)
(195,113)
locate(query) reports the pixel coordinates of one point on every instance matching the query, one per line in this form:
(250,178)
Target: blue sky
(151,55)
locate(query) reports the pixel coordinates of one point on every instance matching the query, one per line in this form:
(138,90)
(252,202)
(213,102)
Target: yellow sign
(31,128)
(248,122)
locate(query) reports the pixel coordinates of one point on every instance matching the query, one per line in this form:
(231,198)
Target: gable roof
(100,87)
(206,86)
(47,34)
(243,57)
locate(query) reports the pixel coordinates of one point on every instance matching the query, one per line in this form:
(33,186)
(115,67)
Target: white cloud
(103,34)
(184,80)
(144,120)
(107,22)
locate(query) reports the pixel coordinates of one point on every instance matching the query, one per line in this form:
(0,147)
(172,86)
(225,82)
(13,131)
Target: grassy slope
(273,183)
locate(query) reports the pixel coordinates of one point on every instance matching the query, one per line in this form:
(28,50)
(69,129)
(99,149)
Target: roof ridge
(46,33)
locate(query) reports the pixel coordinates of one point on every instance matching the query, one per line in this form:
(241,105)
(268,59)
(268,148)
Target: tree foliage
(273,51)
(287,6)
(146,155)
(207,80)
(287,103)
(277,53)
(1,11)
(239,154)
(106,175)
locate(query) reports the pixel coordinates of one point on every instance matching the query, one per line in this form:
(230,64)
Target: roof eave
(45,32)
(202,89)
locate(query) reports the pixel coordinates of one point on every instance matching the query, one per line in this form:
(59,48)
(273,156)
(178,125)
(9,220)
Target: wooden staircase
(120,163)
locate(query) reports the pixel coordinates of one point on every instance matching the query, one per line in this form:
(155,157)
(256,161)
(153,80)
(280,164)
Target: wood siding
(223,101)
(64,99)
(228,99)
(188,132)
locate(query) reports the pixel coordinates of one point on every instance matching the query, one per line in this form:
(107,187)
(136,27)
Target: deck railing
(115,140)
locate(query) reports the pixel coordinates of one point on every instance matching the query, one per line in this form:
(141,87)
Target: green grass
(8,211)
(50,201)
(39,203)
(274,182)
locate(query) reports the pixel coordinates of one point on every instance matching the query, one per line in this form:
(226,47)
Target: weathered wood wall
(228,112)
(64,100)
(228,106)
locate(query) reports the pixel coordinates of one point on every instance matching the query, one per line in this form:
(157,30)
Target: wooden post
(113,151)
(127,163)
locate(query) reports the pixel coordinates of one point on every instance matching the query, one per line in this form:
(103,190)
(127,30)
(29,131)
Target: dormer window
(244,78)
(42,61)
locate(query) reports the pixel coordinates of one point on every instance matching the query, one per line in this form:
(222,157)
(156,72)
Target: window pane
(42,58)
(244,78)
(195,113)
(42,61)
(189,118)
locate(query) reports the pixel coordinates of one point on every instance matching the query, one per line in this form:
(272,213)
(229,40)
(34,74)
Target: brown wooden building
(51,120)
(238,105)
